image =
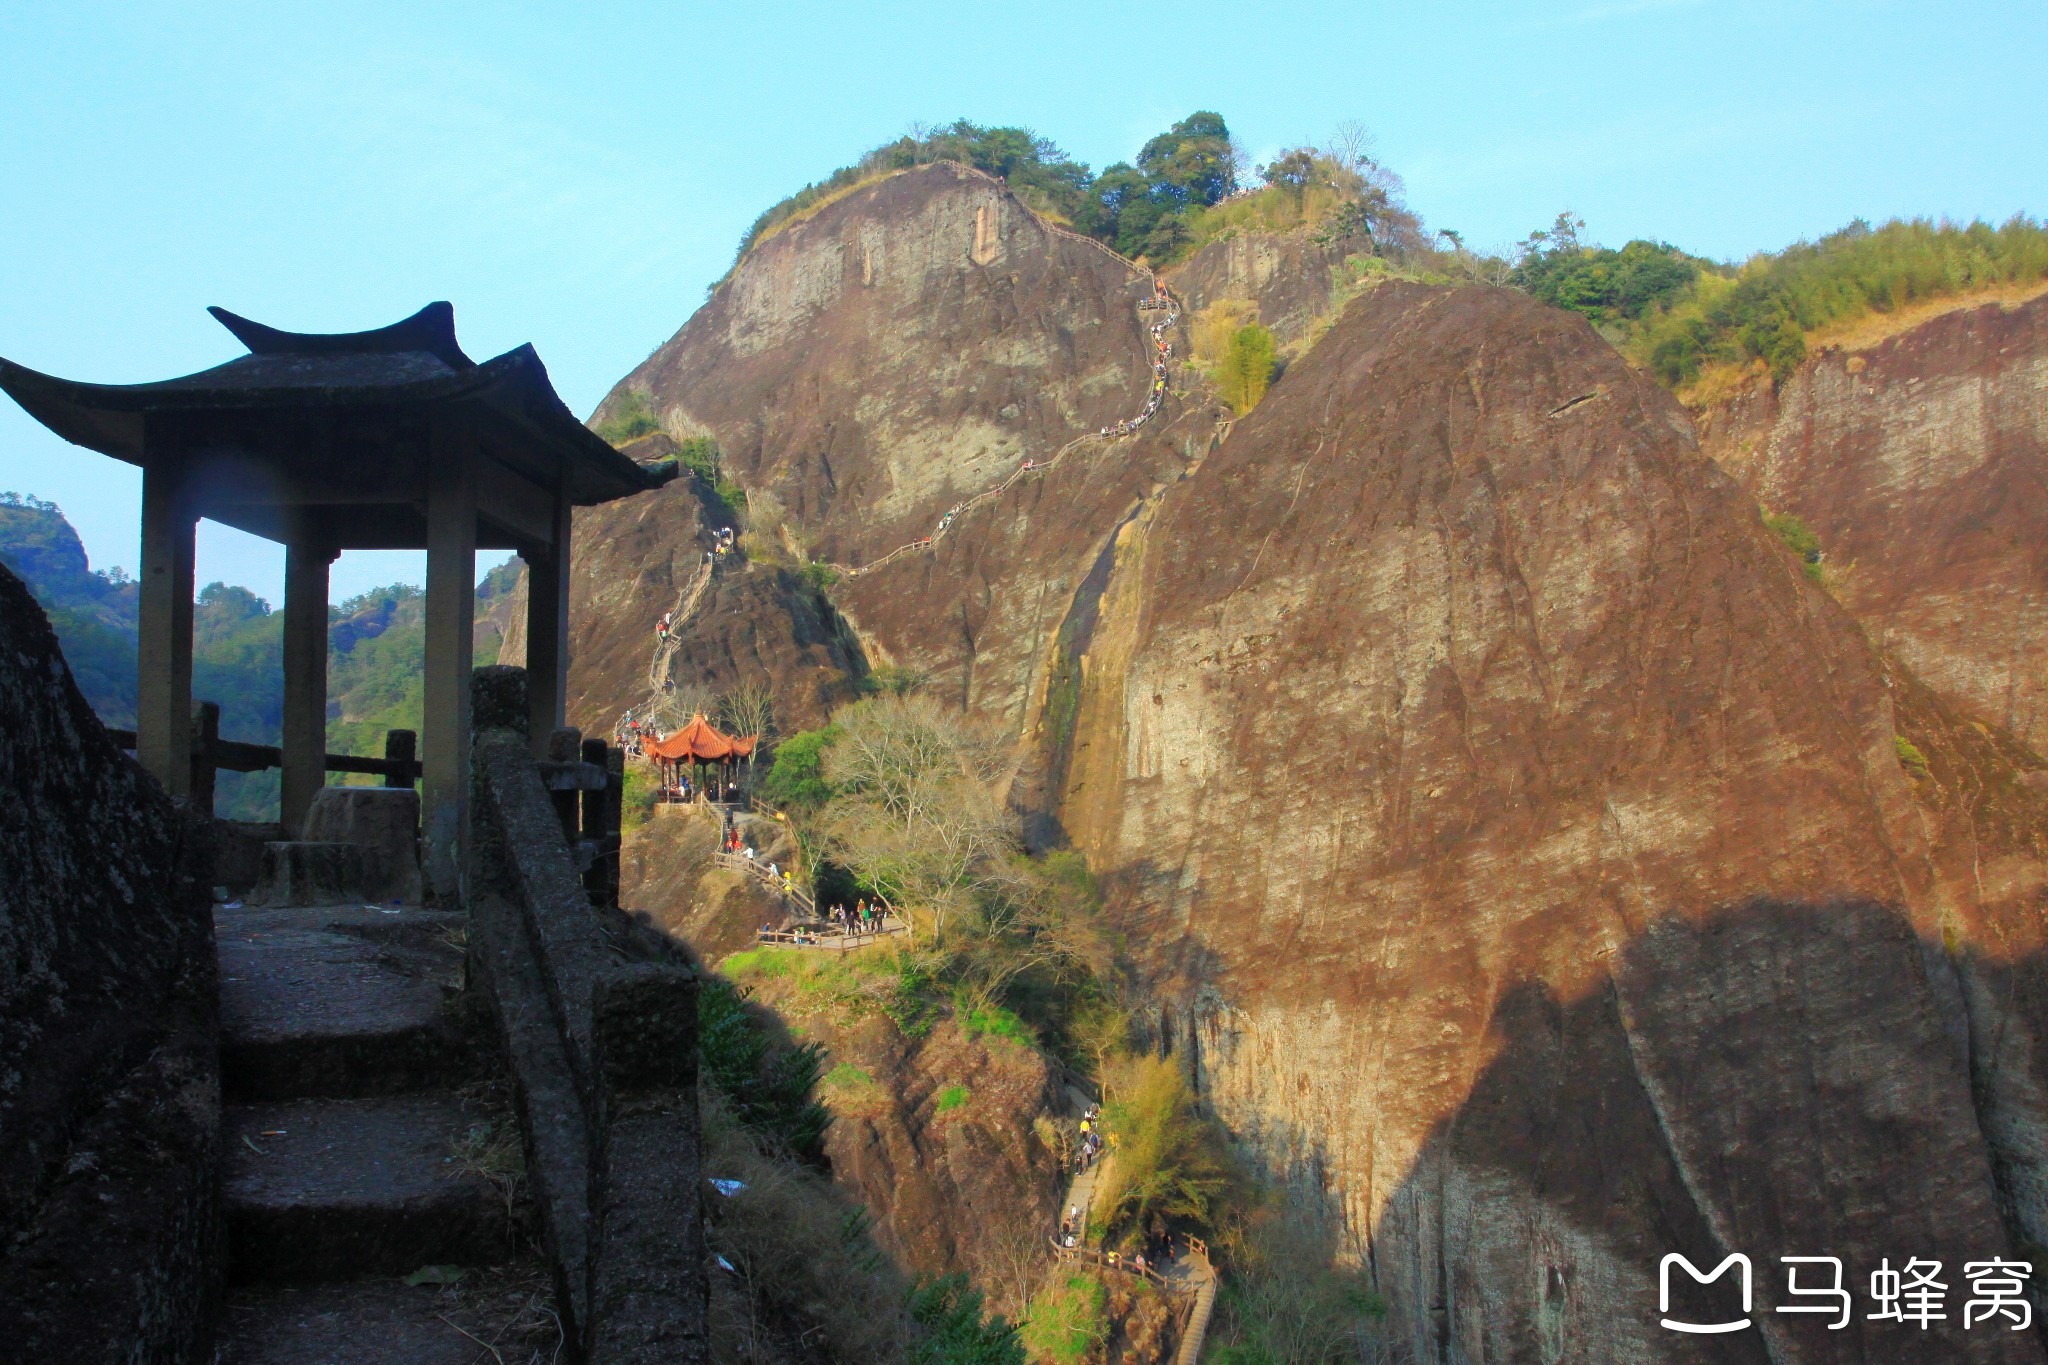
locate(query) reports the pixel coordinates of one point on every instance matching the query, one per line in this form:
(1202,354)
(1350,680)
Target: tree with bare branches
(1351,145)
(749,709)
(918,815)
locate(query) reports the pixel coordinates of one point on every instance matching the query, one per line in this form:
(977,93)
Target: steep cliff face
(109,1039)
(1519,846)
(753,622)
(1511,839)
(905,349)
(1922,464)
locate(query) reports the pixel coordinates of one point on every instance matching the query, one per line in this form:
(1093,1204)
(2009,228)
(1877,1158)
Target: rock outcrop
(1288,281)
(109,1077)
(1513,842)
(1519,847)
(863,371)
(1922,464)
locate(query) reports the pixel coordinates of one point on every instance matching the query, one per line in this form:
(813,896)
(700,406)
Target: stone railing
(601,1052)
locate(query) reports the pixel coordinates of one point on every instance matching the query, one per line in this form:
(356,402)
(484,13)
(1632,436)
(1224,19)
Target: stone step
(340,1001)
(337,1189)
(385,1322)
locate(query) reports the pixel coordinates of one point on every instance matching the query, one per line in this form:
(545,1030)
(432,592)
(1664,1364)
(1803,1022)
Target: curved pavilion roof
(700,741)
(300,400)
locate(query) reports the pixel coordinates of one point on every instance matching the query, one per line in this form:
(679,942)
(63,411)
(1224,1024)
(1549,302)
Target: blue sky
(575,176)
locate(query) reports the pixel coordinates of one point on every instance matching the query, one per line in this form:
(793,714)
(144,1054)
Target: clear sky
(577,175)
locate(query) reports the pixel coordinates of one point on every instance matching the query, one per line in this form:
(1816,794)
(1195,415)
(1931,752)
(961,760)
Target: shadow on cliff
(1775,1079)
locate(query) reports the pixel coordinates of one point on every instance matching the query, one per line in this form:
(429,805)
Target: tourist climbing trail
(687,602)
(1160,301)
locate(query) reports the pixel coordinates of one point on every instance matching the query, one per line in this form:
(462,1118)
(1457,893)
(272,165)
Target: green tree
(956,1332)
(1190,163)
(1294,171)
(1246,367)
(796,781)
(1170,1168)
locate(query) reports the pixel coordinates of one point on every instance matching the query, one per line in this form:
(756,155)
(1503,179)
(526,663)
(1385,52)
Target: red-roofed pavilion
(699,742)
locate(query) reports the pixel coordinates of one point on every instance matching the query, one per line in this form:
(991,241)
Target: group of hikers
(1162,352)
(1160,301)
(1092,1139)
(859,918)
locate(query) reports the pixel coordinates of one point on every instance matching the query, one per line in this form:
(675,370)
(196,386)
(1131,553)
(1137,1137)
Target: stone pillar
(163,703)
(305,680)
(547,628)
(451,621)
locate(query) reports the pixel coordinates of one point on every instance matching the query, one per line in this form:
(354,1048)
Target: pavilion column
(305,679)
(163,703)
(451,620)
(547,629)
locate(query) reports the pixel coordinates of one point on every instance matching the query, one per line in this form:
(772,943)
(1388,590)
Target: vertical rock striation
(1516,843)
(1922,464)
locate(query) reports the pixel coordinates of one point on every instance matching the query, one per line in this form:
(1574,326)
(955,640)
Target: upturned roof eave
(108,418)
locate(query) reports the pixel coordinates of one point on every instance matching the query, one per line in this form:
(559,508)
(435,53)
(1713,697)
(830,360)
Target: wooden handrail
(238,756)
(1114,1261)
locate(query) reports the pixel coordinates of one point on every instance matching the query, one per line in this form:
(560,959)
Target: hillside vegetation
(1698,325)
(1186,186)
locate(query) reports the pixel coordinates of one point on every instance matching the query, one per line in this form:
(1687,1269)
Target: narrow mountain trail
(687,602)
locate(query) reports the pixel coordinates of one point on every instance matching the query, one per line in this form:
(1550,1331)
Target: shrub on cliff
(1171,1168)
(767,1088)
(631,418)
(1246,367)
(1067,1321)
(1799,539)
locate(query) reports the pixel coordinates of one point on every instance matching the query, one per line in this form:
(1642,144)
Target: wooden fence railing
(211,755)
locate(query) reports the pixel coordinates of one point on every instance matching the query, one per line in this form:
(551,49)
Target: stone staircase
(359,1109)
(1198,1317)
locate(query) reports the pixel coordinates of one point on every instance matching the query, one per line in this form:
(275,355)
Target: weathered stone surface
(1922,464)
(384,822)
(303,872)
(339,1002)
(1506,884)
(1287,278)
(611,1129)
(109,1092)
(330,1189)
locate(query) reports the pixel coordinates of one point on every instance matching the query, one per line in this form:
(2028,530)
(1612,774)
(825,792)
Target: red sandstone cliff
(1922,463)
(1511,838)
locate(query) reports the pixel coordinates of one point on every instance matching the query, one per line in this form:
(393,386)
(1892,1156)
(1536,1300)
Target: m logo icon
(1664,1292)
